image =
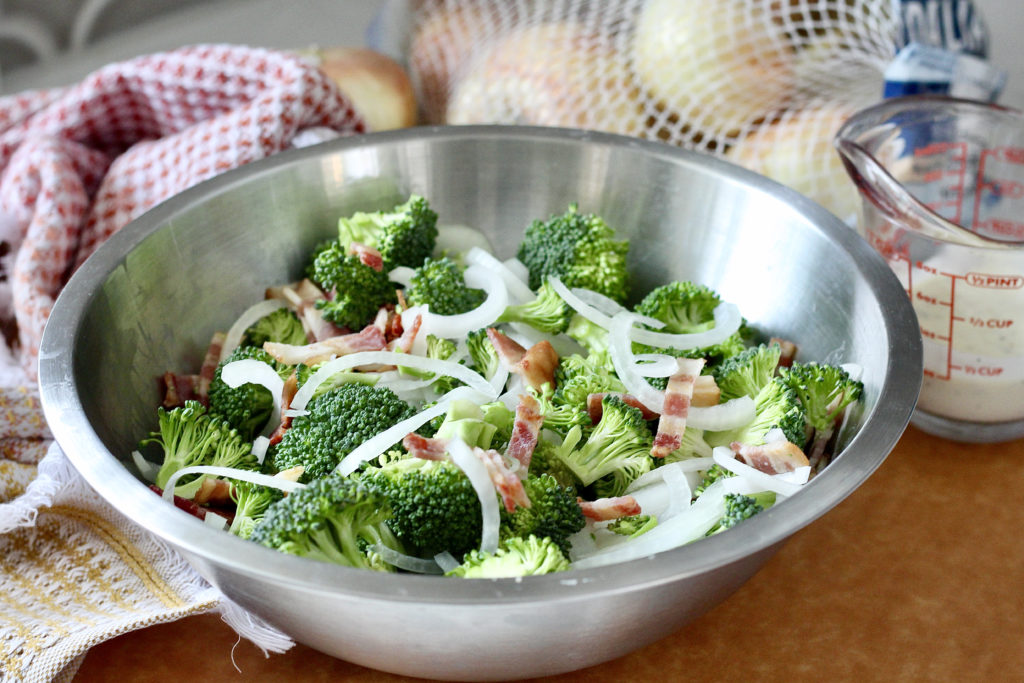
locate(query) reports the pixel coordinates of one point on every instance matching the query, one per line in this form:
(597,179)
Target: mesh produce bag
(764,83)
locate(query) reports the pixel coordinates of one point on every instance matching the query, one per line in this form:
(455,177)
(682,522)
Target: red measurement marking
(993,281)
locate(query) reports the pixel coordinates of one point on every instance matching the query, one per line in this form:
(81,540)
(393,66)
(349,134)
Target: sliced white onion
(406,562)
(379,443)
(457,238)
(599,301)
(785,485)
(294,413)
(667,487)
(518,268)
(679,487)
(464,459)
(588,311)
(655,365)
(259,448)
(733,413)
(246,320)
(419,342)
(147,469)
(252,371)
(727,321)
(527,336)
(352,360)
(685,527)
(401,275)
(461,324)
(230,473)
(212,519)
(619,347)
(446,561)
(518,290)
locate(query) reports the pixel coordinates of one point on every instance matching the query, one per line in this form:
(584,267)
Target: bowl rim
(113,480)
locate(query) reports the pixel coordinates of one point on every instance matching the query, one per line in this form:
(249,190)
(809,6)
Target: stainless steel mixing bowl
(150,298)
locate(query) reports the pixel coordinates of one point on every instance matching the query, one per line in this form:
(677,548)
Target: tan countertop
(917,576)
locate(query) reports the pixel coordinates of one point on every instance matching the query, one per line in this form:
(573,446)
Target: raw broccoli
(438,283)
(739,508)
(434,507)
(554,512)
(776,405)
(335,519)
(465,420)
(481,351)
(503,418)
(711,475)
(190,436)
(355,291)
(684,307)
(516,557)
(590,335)
(546,460)
(580,250)
(693,445)
(247,407)
(746,373)
(251,502)
(616,482)
(336,423)
(619,443)
(547,313)
(824,391)
(577,377)
(281,326)
(633,525)
(438,348)
(404,236)
(559,416)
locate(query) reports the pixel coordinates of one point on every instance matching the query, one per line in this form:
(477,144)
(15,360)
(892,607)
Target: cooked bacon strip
(678,395)
(210,361)
(525,431)
(604,509)
(404,343)
(506,482)
(509,352)
(213,492)
(291,387)
(537,366)
(595,408)
(370,338)
(368,256)
(180,388)
(788,351)
(425,448)
(773,458)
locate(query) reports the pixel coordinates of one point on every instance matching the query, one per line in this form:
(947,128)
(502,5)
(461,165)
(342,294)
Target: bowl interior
(150,298)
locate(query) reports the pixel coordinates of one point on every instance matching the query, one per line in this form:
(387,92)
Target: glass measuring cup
(942,182)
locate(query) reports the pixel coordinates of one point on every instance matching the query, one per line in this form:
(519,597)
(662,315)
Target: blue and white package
(955,25)
(921,69)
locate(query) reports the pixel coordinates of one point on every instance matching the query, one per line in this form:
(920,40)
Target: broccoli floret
(251,502)
(438,348)
(590,335)
(684,307)
(336,423)
(746,373)
(434,507)
(438,283)
(580,250)
(711,475)
(355,291)
(615,483)
(693,445)
(546,460)
(739,508)
(516,557)
(776,405)
(247,407)
(281,326)
(334,519)
(633,525)
(554,512)
(547,313)
(465,420)
(481,351)
(503,418)
(619,443)
(559,415)
(190,436)
(404,236)
(824,391)
(577,377)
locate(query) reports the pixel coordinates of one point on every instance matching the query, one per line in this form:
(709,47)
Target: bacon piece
(537,366)
(303,297)
(404,343)
(604,509)
(509,352)
(425,448)
(525,431)
(182,503)
(595,408)
(788,351)
(291,387)
(210,361)
(180,388)
(773,458)
(213,492)
(678,394)
(370,338)
(506,482)
(368,256)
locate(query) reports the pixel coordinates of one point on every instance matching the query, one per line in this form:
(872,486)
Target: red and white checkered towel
(76,164)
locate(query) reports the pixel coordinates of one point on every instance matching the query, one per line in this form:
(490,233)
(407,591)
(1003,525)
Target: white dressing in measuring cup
(943,187)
